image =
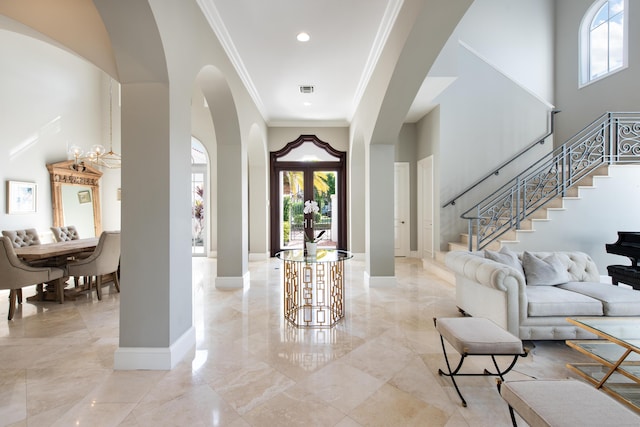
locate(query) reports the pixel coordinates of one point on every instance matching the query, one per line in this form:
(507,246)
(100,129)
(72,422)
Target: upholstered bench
(476,336)
(564,403)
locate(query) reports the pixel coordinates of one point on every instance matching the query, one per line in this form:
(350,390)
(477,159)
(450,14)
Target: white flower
(311,206)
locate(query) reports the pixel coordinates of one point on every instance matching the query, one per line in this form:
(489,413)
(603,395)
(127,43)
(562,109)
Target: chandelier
(97,155)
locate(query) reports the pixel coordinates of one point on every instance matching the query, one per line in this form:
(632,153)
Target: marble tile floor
(377,367)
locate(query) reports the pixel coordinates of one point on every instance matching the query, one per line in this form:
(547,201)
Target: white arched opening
(200,199)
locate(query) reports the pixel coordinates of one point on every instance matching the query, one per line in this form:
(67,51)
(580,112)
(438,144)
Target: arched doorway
(308,170)
(199,198)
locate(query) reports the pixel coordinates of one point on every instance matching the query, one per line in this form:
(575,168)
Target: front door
(308,202)
(308,173)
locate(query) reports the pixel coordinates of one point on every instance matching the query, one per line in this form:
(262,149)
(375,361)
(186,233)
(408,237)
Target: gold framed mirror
(75,197)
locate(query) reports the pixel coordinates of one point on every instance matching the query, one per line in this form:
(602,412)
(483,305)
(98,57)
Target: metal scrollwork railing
(614,138)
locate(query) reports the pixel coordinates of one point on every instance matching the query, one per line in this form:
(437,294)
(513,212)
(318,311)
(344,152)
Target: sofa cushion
(553,301)
(506,257)
(544,272)
(616,301)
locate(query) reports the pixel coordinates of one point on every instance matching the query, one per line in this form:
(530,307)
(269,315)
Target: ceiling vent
(306,89)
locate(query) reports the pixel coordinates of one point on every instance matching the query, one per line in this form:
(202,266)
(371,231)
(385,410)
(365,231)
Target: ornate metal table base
(314,288)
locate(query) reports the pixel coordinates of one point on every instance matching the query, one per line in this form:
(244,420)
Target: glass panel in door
(324,226)
(292,209)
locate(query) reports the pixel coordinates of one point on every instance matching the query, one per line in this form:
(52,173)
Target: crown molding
(386,25)
(215,21)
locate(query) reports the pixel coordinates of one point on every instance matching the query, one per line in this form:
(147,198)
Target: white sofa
(499,291)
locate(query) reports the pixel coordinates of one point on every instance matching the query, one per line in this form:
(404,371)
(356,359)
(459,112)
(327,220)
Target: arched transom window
(603,40)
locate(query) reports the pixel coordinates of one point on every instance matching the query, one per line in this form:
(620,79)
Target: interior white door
(425,207)
(401,209)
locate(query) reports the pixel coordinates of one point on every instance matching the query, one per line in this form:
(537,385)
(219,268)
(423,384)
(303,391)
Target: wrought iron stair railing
(613,138)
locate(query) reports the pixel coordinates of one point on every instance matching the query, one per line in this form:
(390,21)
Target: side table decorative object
(314,287)
(312,248)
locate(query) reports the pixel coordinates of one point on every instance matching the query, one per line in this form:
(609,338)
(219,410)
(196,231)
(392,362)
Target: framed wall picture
(84,196)
(22,197)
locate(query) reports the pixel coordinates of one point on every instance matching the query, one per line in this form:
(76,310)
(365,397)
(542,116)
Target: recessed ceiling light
(306,104)
(303,37)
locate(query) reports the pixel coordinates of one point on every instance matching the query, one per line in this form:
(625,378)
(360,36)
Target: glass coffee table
(616,353)
(314,287)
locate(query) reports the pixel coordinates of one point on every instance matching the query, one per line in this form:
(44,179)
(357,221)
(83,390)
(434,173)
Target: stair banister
(553,174)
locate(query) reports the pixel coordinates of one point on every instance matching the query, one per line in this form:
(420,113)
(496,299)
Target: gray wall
(485,119)
(338,137)
(496,106)
(428,134)
(406,152)
(618,92)
(502,58)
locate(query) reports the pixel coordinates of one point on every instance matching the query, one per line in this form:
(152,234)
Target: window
(603,40)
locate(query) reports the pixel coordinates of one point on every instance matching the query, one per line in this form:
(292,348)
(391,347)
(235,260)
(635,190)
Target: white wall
(517,37)
(50,100)
(110,182)
(593,220)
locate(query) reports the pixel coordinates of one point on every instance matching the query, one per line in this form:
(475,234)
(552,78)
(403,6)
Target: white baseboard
(380,281)
(155,358)
(227,283)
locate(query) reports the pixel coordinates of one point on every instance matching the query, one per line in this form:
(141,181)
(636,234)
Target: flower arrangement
(311,207)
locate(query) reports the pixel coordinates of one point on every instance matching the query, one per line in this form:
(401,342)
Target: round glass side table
(314,287)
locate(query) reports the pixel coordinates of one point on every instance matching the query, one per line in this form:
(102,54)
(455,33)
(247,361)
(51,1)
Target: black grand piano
(628,245)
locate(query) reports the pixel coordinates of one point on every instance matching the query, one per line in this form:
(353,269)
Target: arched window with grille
(603,40)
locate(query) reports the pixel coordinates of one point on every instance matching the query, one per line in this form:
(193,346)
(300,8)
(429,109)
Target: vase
(311,248)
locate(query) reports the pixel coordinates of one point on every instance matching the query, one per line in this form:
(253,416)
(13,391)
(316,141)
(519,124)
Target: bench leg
(452,374)
(511,412)
(498,372)
(513,417)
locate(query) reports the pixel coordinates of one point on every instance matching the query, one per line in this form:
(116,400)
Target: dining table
(54,255)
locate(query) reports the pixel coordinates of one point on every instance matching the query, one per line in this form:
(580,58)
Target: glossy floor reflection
(378,367)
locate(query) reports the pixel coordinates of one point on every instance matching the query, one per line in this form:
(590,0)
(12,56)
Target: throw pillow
(544,272)
(505,256)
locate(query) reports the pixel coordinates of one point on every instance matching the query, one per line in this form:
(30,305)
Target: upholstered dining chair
(66,233)
(104,260)
(16,274)
(20,238)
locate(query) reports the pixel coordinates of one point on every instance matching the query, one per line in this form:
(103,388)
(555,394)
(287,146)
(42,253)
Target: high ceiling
(346,37)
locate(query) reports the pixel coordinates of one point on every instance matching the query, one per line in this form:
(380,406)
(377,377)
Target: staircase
(613,138)
(528,224)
